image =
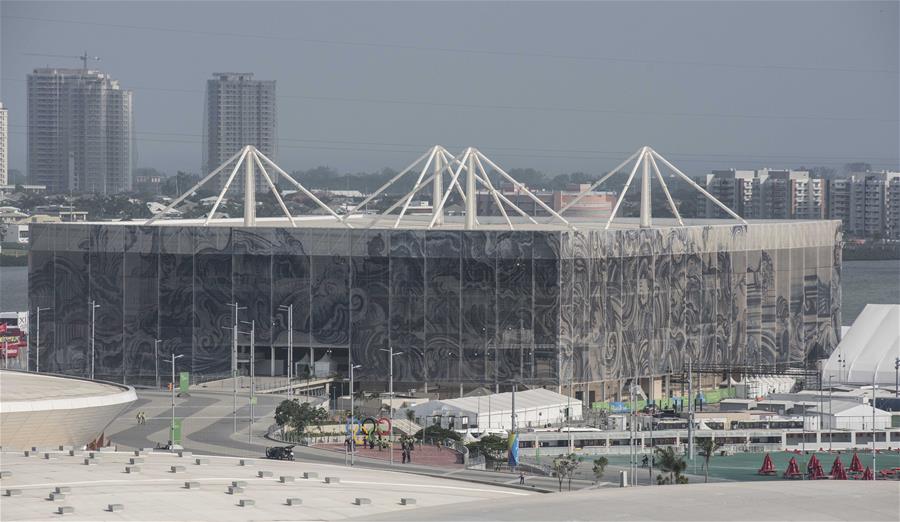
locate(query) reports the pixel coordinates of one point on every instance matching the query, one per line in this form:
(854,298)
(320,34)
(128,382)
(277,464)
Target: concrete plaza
(783,500)
(157,489)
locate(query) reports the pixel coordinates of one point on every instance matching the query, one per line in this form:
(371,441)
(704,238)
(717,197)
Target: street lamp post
(172,428)
(251,360)
(156,358)
(690,410)
(631,448)
(352,414)
(897,377)
(252,333)
(37,350)
(290,355)
(94,307)
(252,371)
(830,417)
(391,355)
(234,364)
(874,447)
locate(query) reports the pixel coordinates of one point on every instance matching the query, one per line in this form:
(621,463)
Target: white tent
(533,408)
(868,349)
(858,417)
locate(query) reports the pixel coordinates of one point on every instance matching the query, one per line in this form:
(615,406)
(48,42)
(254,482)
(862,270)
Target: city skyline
(559,102)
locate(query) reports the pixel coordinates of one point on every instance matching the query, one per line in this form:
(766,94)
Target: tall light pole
(391,356)
(897,377)
(290,357)
(94,307)
(690,410)
(172,428)
(874,447)
(252,332)
(37,350)
(352,414)
(234,364)
(156,358)
(830,417)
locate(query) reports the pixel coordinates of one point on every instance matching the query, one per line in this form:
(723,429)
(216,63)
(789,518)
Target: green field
(743,466)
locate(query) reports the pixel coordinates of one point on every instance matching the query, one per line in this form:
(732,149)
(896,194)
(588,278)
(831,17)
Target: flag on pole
(513,450)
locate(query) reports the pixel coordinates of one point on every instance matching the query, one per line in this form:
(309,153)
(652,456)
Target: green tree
(564,467)
(708,448)
(599,467)
(410,416)
(179,183)
(671,463)
(299,415)
(436,432)
(491,446)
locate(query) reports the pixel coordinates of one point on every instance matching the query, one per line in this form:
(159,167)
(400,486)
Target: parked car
(280,453)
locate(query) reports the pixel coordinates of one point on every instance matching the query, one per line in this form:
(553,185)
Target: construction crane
(84,57)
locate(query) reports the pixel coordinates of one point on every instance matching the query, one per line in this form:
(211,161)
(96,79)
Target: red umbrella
(815,469)
(868,475)
(837,470)
(816,472)
(855,464)
(813,462)
(793,470)
(768,467)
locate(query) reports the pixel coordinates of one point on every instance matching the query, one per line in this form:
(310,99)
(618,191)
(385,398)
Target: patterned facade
(542,307)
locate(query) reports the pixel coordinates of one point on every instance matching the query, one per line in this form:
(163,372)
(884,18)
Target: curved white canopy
(868,351)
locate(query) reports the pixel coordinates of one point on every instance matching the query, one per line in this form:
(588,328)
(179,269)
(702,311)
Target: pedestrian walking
(522,478)
(403,451)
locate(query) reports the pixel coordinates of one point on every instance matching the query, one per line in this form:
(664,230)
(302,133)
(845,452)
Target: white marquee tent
(868,350)
(533,408)
(857,417)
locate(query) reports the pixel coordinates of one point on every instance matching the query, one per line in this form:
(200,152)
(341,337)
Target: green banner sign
(184,381)
(175,432)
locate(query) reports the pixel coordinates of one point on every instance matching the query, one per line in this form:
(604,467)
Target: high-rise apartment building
(732,187)
(4,146)
(766,194)
(80,131)
(868,203)
(840,200)
(239,111)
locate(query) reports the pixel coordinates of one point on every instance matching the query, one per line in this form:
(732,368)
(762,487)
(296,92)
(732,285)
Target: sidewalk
(422,454)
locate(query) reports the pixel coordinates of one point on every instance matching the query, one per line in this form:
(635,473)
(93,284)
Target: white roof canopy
(869,350)
(536,399)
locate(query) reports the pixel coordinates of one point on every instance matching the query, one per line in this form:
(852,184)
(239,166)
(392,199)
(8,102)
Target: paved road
(209,428)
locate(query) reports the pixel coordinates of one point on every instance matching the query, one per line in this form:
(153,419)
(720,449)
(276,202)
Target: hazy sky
(556,86)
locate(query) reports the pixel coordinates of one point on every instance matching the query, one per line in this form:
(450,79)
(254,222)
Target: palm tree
(707,448)
(671,463)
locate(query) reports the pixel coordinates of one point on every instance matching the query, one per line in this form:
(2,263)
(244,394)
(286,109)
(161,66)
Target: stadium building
(469,300)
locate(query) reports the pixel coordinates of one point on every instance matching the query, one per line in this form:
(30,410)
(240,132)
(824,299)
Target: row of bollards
(237,487)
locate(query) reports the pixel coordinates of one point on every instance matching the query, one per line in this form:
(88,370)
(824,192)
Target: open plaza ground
(165,486)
